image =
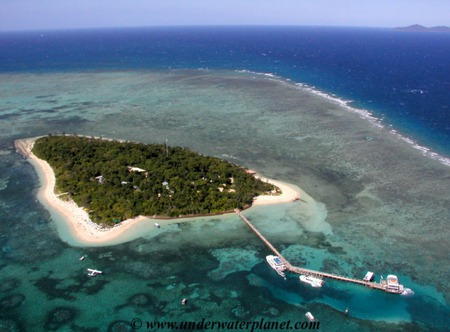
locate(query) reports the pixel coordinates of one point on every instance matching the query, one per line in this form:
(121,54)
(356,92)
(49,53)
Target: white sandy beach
(87,232)
(289,193)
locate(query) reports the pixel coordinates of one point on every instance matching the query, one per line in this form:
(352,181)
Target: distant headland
(421,28)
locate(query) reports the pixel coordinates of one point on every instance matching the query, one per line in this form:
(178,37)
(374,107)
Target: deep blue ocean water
(402,78)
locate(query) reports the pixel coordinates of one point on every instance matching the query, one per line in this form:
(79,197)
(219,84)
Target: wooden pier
(299,270)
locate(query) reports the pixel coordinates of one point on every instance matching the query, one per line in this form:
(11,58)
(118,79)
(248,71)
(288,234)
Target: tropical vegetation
(116,180)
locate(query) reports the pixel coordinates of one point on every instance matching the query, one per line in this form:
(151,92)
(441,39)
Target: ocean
(358,118)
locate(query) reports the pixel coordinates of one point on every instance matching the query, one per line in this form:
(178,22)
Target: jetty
(384,285)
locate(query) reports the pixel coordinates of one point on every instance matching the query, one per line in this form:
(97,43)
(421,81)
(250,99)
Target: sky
(75,14)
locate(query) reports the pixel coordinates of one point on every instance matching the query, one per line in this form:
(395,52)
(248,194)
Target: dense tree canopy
(115,180)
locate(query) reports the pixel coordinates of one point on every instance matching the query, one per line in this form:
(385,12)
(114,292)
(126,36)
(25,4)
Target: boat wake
(407,292)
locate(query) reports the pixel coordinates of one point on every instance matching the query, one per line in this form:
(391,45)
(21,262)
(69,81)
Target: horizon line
(199,26)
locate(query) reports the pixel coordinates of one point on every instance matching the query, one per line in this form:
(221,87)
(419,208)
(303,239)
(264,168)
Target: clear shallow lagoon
(381,206)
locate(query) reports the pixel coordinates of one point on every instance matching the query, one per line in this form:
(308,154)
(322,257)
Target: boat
(82,257)
(369,276)
(314,282)
(277,264)
(392,285)
(310,316)
(184,301)
(157,225)
(392,281)
(93,273)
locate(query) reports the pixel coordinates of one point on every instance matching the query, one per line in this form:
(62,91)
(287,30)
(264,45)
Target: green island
(115,181)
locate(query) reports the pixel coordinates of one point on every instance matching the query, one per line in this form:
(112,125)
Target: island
(421,28)
(115,181)
(103,187)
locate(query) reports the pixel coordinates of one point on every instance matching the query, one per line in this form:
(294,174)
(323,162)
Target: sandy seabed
(87,232)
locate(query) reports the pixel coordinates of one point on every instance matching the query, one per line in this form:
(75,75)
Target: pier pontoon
(369,276)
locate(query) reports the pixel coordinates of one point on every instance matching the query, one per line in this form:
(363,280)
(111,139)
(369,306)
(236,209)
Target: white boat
(93,273)
(157,225)
(277,264)
(314,282)
(310,316)
(392,281)
(82,257)
(392,284)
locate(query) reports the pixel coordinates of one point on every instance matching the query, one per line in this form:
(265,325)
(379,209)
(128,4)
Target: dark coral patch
(140,299)
(12,301)
(9,325)
(59,317)
(120,326)
(8,284)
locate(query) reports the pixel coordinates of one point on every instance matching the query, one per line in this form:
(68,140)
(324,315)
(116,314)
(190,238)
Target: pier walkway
(299,270)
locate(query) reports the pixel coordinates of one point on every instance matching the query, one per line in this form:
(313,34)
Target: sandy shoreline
(77,219)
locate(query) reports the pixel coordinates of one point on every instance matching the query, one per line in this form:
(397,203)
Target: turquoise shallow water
(380,205)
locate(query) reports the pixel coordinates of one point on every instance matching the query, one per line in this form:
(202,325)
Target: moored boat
(392,285)
(277,264)
(314,282)
(310,316)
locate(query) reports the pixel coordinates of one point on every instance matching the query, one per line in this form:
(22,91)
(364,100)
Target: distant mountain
(421,28)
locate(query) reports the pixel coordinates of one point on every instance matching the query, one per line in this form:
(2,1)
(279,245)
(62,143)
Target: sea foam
(362,113)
